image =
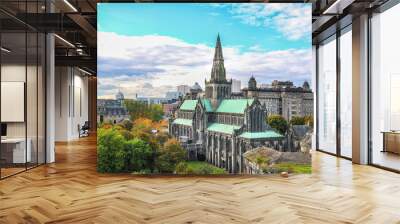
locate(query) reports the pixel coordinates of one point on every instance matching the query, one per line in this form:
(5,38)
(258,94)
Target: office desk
(13,150)
(391,141)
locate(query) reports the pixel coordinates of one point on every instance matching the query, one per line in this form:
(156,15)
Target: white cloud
(152,65)
(292,20)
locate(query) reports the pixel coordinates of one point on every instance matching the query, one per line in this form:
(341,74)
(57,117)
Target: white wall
(71,103)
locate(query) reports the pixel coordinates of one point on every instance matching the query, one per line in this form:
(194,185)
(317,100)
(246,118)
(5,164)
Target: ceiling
(75,23)
(329,16)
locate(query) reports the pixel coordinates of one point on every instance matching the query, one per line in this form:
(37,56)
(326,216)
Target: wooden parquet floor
(71,191)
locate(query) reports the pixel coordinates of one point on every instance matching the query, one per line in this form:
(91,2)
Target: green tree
(110,151)
(297,121)
(169,156)
(138,155)
(156,112)
(278,123)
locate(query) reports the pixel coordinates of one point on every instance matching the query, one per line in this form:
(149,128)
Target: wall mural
(198,89)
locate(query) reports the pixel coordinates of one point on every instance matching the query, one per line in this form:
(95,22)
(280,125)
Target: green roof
(181,121)
(188,105)
(265,134)
(223,128)
(207,104)
(235,106)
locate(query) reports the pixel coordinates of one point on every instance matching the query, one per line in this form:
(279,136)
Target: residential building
(283,98)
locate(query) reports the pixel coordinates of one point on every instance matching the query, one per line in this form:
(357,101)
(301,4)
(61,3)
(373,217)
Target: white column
(360,90)
(50,99)
(314,87)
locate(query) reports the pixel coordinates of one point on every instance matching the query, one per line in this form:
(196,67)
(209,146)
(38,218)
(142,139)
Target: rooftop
(258,135)
(235,106)
(222,128)
(181,121)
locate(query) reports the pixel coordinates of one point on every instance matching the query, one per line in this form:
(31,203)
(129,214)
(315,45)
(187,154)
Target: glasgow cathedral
(218,128)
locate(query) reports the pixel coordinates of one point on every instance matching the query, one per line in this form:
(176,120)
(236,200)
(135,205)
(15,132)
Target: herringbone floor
(71,191)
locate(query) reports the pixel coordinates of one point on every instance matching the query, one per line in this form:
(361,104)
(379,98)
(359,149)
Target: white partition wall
(71,102)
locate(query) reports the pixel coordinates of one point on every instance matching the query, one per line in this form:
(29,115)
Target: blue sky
(149,49)
(193,23)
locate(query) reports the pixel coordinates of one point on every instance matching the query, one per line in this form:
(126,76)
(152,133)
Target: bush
(145,171)
(293,167)
(126,134)
(169,156)
(197,167)
(110,151)
(181,168)
(298,121)
(278,123)
(127,124)
(260,160)
(190,170)
(205,170)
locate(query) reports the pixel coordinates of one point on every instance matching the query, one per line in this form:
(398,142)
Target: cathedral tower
(218,88)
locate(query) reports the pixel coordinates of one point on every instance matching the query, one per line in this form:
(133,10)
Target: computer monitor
(3,129)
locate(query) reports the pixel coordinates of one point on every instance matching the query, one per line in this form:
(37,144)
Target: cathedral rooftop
(234,106)
(222,128)
(181,121)
(188,105)
(258,135)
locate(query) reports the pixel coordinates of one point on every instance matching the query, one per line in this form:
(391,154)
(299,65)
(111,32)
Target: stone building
(112,111)
(218,128)
(283,98)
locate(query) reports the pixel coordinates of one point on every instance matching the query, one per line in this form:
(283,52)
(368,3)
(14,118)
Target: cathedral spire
(218,69)
(218,50)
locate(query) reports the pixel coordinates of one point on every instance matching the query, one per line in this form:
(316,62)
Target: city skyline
(152,59)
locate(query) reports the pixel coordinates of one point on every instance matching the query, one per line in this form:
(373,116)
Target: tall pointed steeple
(218,68)
(218,50)
(218,88)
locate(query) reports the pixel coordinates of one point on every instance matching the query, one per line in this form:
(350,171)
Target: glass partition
(22,101)
(13,94)
(346,93)
(327,96)
(385,89)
